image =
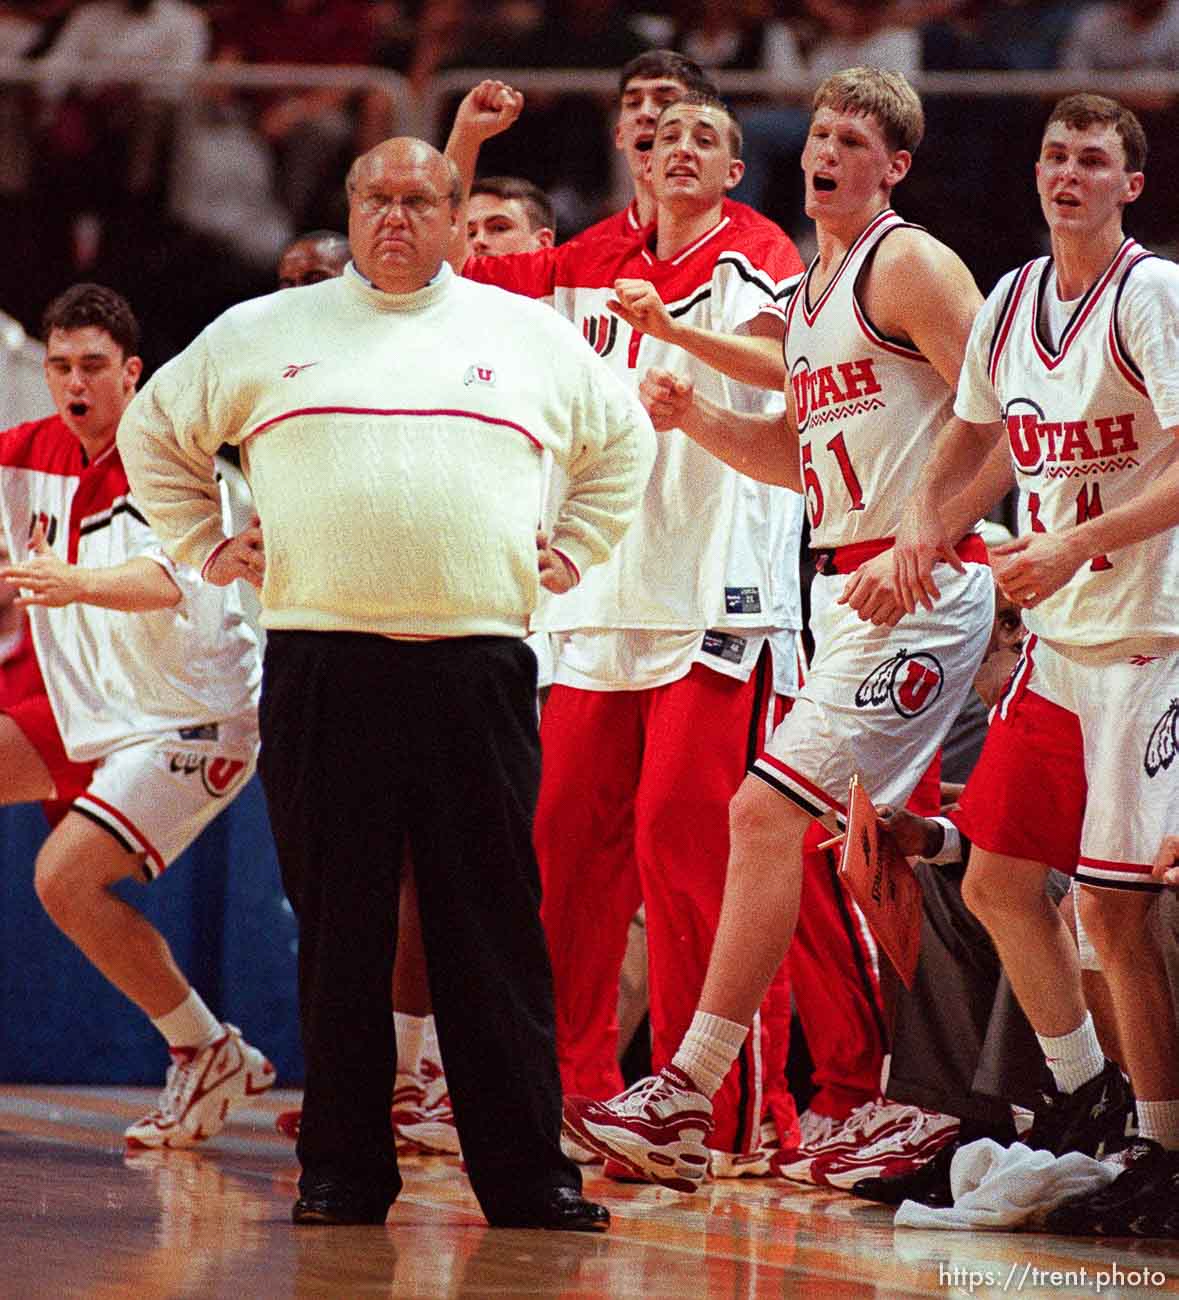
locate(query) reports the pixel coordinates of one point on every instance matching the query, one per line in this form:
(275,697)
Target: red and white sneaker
(758,1163)
(896,1152)
(424,1123)
(866,1124)
(287,1122)
(580,1155)
(199,1090)
(655,1129)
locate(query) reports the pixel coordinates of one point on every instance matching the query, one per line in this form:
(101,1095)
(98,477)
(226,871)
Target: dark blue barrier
(222,909)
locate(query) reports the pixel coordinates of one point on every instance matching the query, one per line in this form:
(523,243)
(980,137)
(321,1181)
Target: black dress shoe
(564,1210)
(929,1184)
(329,1202)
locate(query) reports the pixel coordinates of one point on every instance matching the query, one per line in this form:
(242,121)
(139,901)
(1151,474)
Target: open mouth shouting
(78,408)
(825,184)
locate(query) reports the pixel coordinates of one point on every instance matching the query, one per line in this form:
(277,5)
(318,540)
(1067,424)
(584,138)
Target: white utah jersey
(1085,424)
(711,548)
(868,406)
(112,677)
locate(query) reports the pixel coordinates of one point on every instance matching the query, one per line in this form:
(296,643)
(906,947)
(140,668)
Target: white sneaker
(814,1129)
(866,1124)
(655,1129)
(199,1090)
(579,1154)
(423,1118)
(757,1163)
(896,1151)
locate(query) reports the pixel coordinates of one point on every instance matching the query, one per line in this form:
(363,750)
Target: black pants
(961,1043)
(368,744)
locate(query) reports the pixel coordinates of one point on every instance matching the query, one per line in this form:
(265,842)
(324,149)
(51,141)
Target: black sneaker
(1088,1120)
(1108,1212)
(928,1184)
(1158,1211)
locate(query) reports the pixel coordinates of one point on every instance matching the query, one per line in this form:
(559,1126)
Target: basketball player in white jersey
(874,340)
(663,676)
(148,724)
(1074,361)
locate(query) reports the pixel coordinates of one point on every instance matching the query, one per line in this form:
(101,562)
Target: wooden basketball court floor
(80,1218)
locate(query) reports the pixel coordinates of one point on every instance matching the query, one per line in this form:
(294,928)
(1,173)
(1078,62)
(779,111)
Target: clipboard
(878,876)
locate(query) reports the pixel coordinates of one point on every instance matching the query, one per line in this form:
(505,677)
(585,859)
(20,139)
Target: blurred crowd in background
(180,196)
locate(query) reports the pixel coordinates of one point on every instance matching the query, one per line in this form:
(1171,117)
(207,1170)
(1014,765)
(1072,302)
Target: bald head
(400,151)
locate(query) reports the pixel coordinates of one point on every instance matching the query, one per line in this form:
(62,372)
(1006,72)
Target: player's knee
(1115,921)
(986,893)
(757,815)
(57,888)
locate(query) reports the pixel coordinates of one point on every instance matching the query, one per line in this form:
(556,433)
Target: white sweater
(394,446)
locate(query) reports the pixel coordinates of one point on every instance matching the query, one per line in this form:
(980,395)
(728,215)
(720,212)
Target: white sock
(411,1035)
(191,1024)
(1074,1058)
(430,1046)
(1159,1120)
(709,1048)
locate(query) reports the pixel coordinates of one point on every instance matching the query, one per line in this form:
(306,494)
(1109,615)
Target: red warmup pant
(834,976)
(634,807)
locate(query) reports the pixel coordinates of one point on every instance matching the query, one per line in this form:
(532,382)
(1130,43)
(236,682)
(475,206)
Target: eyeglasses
(379,206)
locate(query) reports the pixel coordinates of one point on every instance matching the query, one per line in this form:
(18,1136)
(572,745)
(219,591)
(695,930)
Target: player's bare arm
(763,447)
(932,526)
(1035,566)
(919,289)
(873,590)
(754,357)
(136,586)
(486,110)
(927,533)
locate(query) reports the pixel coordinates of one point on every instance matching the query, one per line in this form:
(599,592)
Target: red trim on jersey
(875,337)
(1101,864)
(376,410)
(1076,324)
(1121,359)
(1008,319)
(1121,362)
(556,550)
(213,554)
(796,776)
(884,218)
(130,826)
(1017,683)
(691,248)
(847,559)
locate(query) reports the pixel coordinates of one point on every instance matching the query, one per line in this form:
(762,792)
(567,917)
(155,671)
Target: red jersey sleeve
(532,274)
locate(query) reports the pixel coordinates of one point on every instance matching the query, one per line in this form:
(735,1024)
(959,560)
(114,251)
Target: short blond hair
(880,93)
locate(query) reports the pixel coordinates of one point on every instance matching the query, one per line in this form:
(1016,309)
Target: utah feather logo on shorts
(910,683)
(1164,742)
(479,375)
